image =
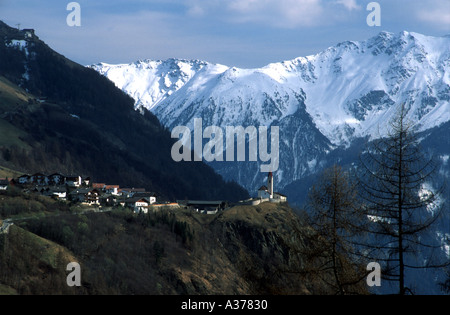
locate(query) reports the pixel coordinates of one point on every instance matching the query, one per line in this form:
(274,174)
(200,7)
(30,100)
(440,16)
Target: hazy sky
(241,33)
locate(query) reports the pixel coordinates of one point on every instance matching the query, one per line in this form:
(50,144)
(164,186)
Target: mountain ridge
(293,72)
(348,91)
(73,120)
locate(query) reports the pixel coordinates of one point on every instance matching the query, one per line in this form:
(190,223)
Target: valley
(210,220)
(326,105)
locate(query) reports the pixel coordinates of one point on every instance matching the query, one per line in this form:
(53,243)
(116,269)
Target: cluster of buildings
(54,179)
(265,194)
(204,206)
(79,189)
(26,33)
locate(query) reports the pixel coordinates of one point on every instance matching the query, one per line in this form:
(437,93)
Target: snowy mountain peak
(348,87)
(345,92)
(150,82)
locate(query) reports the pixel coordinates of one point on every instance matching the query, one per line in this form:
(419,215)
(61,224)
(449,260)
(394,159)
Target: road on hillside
(10,221)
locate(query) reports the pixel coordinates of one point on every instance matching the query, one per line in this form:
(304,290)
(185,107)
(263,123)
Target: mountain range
(326,105)
(59,116)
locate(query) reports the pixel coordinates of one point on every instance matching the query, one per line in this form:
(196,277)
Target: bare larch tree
(335,214)
(394,182)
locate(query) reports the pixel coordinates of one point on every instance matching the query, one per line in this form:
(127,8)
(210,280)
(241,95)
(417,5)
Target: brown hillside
(263,249)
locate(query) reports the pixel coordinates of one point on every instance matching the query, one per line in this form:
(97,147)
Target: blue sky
(241,33)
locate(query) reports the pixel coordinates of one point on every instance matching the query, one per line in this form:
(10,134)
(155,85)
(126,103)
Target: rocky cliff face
(263,249)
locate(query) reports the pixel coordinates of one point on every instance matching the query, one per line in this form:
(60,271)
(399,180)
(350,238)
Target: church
(266,192)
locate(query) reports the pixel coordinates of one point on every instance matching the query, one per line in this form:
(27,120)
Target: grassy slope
(244,250)
(48,251)
(7,290)
(38,265)
(11,97)
(8,173)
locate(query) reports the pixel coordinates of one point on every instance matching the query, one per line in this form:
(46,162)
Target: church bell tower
(270,184)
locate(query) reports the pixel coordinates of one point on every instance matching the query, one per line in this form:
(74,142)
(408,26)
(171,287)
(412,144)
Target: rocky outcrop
(264,249)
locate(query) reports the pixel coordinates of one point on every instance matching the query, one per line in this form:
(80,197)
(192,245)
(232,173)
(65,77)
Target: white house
(279,197)
(86,181)
(141,205)
(27,33)
(59,192)
(112,189)
(138,204)
(73,180)
(92,197)
(263,193)
(150,196)
(86,196)
(4,184)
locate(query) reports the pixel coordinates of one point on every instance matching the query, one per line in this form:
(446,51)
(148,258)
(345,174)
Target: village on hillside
(79,189)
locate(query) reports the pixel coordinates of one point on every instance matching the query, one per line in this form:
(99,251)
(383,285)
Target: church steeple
(270,184)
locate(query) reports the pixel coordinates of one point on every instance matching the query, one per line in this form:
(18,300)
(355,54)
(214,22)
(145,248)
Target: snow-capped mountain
(151,82)
(325,105)
(320,102)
